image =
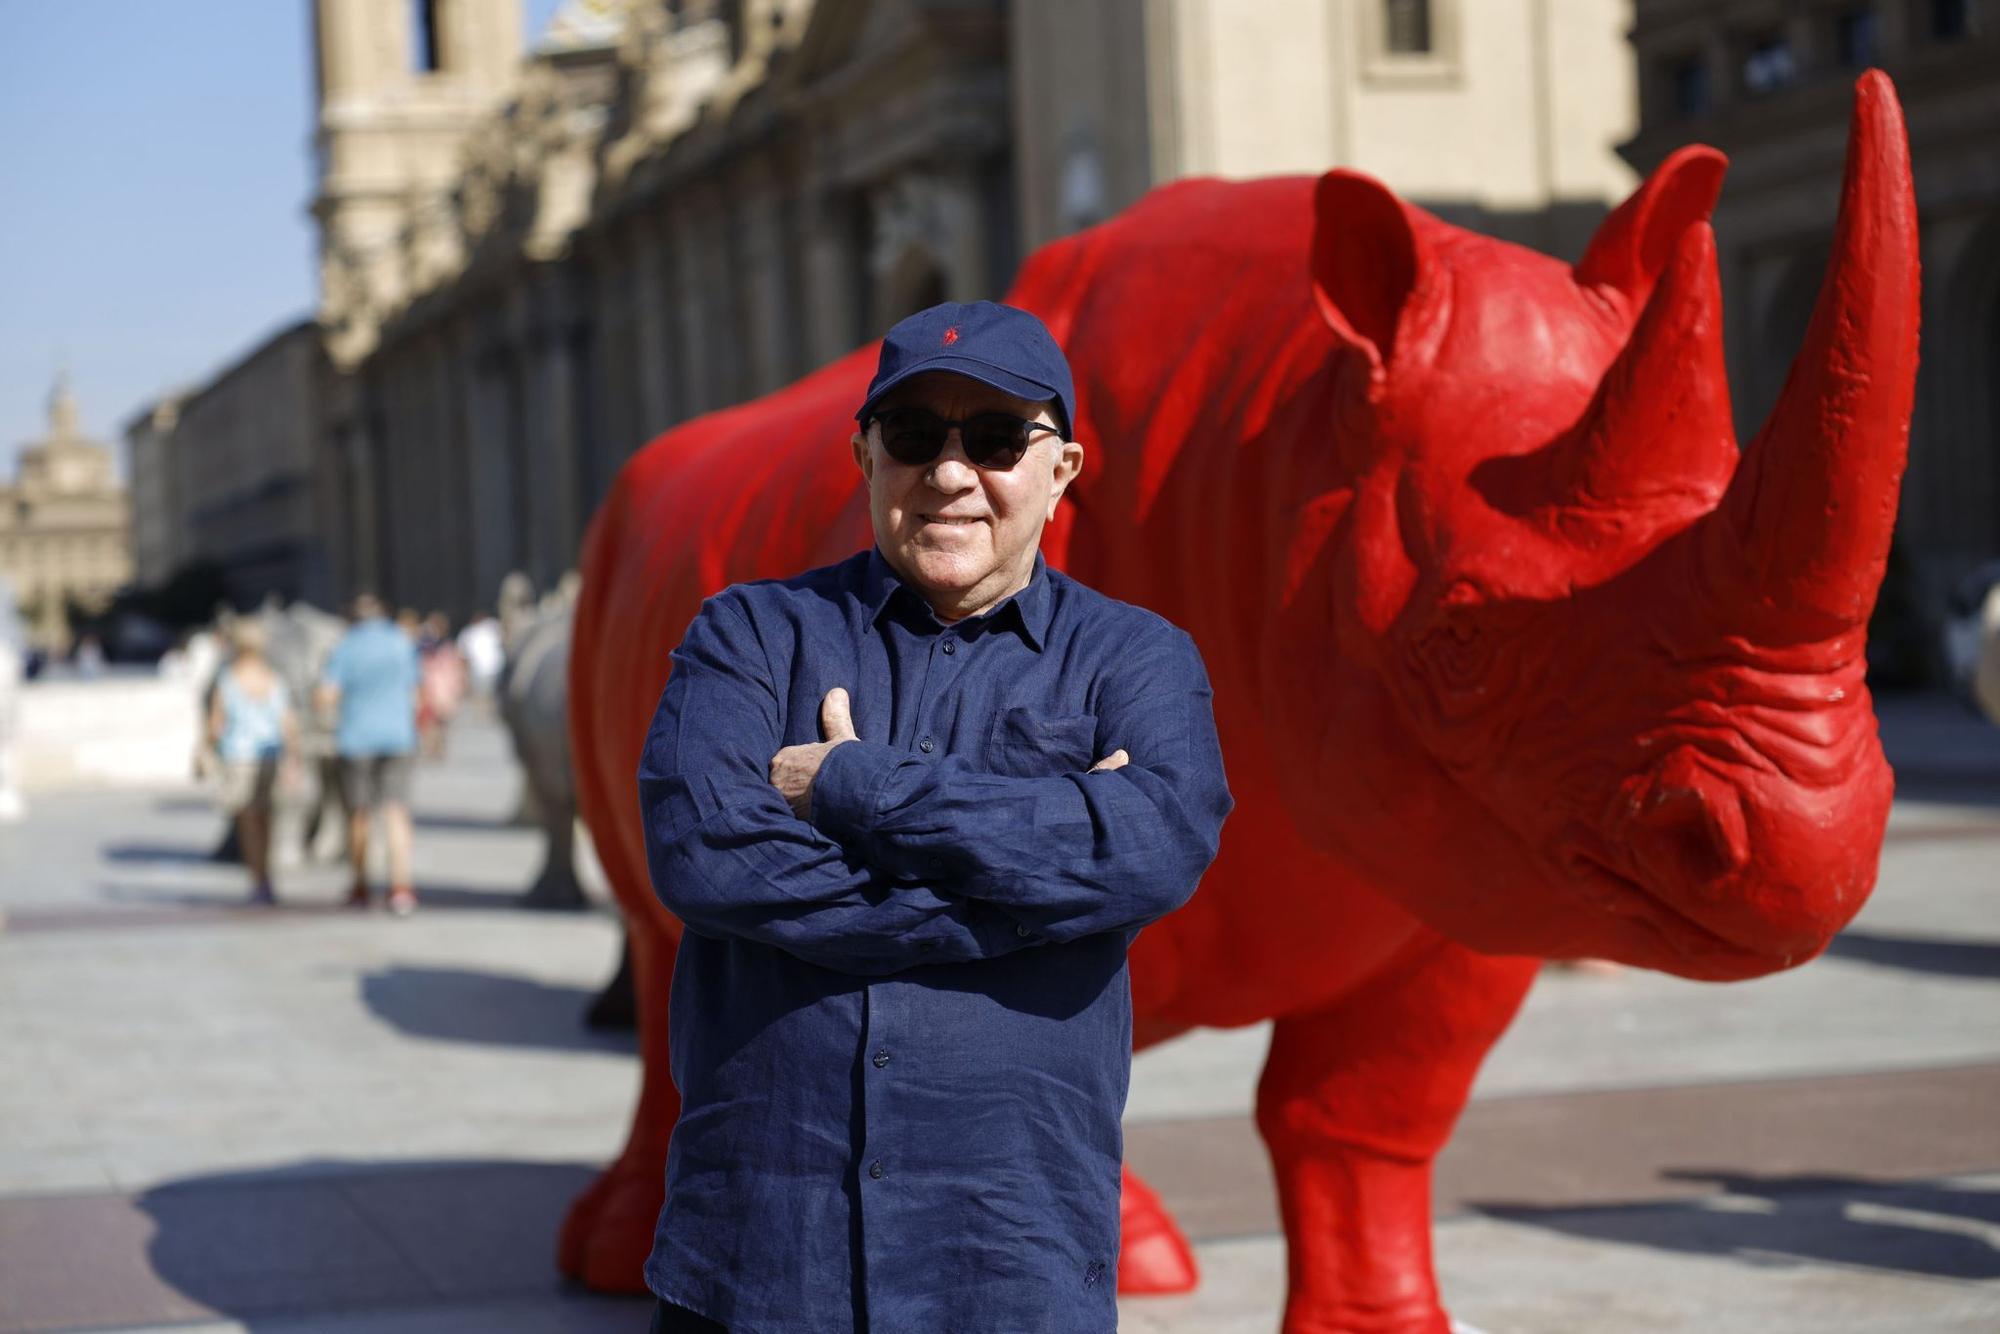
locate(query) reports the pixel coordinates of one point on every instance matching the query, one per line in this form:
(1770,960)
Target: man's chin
(947,571)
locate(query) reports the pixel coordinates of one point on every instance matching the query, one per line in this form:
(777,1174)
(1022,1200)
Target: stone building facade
(1769,82)
(675,205)
(64,526)
(161,532)
(244,471)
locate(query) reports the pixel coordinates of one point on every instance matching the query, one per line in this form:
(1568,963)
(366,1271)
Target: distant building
(247,468)
(231,475)
(161,533)
(64,526)
(672,207)
(1769,82)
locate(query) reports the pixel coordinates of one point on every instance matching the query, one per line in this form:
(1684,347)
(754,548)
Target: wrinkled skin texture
(1512,657)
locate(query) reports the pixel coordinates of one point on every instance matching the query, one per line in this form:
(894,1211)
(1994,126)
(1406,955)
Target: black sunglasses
(993,440)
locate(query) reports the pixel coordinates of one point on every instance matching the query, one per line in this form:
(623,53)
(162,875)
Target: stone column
(697,360)
(831,272)
(648,356)
(493,481)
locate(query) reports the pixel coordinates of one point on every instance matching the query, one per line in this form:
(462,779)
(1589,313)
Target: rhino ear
(1635,244)
(1368,262)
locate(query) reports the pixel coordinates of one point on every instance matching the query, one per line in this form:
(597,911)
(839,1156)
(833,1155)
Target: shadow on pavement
(156,853)
(432,895)
(1947,958)
(479,824)
(185,805)
(323,1238)
(464,1005)
(1933,1228)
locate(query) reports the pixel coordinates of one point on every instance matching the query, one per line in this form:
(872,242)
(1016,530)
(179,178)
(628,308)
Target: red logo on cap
(951,335)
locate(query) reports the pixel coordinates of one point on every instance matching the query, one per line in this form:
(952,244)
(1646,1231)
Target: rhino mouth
(1604,889)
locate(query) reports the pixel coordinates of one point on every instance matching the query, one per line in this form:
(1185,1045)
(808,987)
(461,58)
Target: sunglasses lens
(995,440)
(913,436)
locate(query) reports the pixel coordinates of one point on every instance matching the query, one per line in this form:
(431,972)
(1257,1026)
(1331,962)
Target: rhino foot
(616,1008)
(609,1230)
(556,891)
(1154,1259)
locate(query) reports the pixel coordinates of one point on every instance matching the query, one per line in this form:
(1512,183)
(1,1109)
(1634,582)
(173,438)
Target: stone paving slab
(1564,1151)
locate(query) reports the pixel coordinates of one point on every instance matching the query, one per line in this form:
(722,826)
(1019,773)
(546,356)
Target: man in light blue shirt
(372,679)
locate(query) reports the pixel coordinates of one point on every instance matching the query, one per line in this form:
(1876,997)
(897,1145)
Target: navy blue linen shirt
(902,1031)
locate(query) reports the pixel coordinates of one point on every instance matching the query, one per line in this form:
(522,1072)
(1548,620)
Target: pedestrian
(912,808)
(442,669)
(370,682)
(479,643)
(253,736)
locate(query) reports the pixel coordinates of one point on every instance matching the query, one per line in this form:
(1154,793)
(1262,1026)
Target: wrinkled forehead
(959,396)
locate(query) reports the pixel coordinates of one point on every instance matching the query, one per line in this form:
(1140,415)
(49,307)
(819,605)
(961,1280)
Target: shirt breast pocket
(1028,743)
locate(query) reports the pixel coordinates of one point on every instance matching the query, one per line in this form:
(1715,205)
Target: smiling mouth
(951,522)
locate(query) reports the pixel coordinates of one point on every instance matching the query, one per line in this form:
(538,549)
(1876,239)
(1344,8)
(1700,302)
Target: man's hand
(794,768)
(1117,759)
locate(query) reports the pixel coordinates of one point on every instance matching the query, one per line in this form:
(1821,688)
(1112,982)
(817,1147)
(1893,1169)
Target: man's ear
(863,459)
(1069,462)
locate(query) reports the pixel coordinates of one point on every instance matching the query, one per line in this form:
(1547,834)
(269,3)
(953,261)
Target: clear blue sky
(155,167)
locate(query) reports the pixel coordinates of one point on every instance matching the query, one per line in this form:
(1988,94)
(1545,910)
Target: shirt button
(927,745)
(875,1169)
(950,646)
(881,1058)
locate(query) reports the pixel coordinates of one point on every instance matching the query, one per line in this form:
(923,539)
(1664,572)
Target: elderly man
(912,809)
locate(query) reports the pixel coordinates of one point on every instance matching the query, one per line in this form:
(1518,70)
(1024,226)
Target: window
(1687,78)
(1952,19)
(423,29)
(1769,65)
(1858,36)
(1406,27)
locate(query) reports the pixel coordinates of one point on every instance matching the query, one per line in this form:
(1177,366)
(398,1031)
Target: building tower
(400,84)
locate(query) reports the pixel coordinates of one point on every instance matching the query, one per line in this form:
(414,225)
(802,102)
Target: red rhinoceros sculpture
(1512,657)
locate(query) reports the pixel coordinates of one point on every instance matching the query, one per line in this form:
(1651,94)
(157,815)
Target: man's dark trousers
(671,1319)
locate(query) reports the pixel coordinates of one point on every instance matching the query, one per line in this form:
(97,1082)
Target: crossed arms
(905,862)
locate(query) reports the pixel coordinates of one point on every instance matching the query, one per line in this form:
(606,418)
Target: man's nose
(952,470)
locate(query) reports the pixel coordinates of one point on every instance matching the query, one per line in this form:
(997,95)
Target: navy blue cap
(1003,346)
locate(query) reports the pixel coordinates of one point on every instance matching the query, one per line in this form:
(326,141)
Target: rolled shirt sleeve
(730,858)
(1067,855)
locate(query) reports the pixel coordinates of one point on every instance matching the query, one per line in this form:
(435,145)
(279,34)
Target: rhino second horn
(1658,432)
(1807,520)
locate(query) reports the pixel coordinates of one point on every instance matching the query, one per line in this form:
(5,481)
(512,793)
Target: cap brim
(1005,381)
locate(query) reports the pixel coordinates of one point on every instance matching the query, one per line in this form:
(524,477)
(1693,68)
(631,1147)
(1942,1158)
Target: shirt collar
(1029,609)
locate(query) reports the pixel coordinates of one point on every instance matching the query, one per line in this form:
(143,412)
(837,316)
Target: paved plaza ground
(214,1118)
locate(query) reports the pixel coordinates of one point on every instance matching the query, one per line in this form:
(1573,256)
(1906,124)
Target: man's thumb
(835,724)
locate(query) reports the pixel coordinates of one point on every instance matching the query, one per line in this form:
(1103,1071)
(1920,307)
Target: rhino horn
(1659,428)
(1806,522)
(1635,244)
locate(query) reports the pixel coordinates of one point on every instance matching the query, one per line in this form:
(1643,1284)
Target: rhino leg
(609,1230)
(1354,1103)
(557,886)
